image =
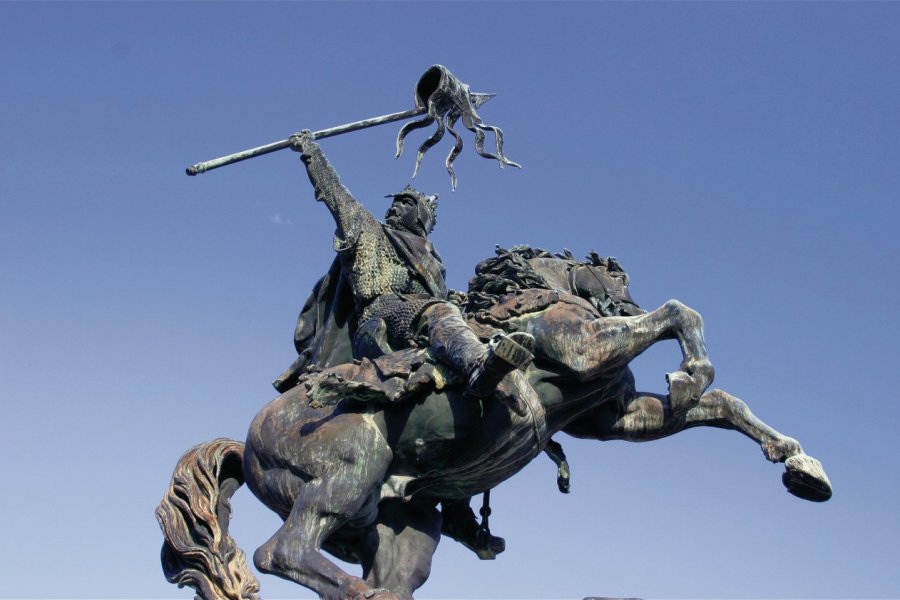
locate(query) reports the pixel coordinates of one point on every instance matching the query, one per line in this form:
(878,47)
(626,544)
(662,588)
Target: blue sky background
(741,157)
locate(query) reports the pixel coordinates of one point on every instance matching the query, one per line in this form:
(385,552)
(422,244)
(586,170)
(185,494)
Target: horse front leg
(696,372)
(591,347)
(804,476)
(648,417)
(407,535)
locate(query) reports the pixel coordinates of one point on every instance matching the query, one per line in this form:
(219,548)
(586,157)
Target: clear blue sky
(741,157)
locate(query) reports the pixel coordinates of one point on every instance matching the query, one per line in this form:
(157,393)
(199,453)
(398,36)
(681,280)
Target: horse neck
(554,270)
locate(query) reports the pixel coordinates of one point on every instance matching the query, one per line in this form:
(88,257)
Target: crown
(411,192)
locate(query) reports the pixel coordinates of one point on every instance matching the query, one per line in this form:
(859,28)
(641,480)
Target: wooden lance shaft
(280,145)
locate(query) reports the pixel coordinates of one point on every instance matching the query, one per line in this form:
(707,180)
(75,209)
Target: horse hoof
(805,478)
(702,374)
(682,391)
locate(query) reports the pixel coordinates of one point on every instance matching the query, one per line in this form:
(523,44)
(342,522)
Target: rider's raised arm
(348,212)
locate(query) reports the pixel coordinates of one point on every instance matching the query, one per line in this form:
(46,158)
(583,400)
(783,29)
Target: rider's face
(404,214)
(402,209)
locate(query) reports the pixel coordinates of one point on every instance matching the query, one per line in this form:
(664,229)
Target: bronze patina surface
(407,399)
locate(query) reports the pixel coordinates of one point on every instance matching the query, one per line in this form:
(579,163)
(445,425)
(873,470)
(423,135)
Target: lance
(439,95)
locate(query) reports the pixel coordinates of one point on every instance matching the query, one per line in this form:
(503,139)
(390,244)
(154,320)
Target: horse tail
(194,516)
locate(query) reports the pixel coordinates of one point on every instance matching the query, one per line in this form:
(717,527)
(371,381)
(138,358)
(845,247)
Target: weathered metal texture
(447,100)
(356,455)
(328,470)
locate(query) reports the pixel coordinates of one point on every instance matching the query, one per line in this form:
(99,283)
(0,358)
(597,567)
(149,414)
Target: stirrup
(487,546)
(505,354)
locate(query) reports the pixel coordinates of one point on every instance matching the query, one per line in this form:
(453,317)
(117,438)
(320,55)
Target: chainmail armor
(367,255)
(400,314)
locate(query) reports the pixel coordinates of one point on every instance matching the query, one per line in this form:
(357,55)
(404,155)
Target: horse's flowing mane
(509,271)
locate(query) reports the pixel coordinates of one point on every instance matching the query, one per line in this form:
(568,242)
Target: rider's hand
(303,142)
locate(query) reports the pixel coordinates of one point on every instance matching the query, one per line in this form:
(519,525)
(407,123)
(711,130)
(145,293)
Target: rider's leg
(407,536)
(455,344)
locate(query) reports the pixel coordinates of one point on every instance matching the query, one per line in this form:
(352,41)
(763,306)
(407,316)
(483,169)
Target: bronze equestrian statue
(398,291)
(406,397)
(396,297)
(356,458)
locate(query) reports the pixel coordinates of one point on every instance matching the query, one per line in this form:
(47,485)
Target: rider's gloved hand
(303,142)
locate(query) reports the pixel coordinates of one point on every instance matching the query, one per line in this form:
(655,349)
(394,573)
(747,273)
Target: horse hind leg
(407,537)
(350,470)
(294,552)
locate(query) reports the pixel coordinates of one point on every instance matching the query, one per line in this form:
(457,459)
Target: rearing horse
(356,458)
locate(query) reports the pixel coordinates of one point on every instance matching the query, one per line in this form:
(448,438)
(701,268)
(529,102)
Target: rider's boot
(484,365)
(459,522)
(516,392)
(505,353)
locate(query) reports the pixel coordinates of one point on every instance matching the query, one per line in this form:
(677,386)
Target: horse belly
(427,435)
(455,447)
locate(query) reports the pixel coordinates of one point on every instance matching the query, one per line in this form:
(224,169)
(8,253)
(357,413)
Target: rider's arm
(349,214)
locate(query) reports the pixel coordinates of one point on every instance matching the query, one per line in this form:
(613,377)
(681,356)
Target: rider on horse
(398,287)
(399,299)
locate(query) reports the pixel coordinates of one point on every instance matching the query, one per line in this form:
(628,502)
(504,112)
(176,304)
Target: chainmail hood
(422,221)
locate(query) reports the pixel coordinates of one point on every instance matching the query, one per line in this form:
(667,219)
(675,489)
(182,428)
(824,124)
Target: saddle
(485,322)
(390,378)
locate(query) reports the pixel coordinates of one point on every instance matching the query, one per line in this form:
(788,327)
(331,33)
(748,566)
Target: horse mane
(508,271)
